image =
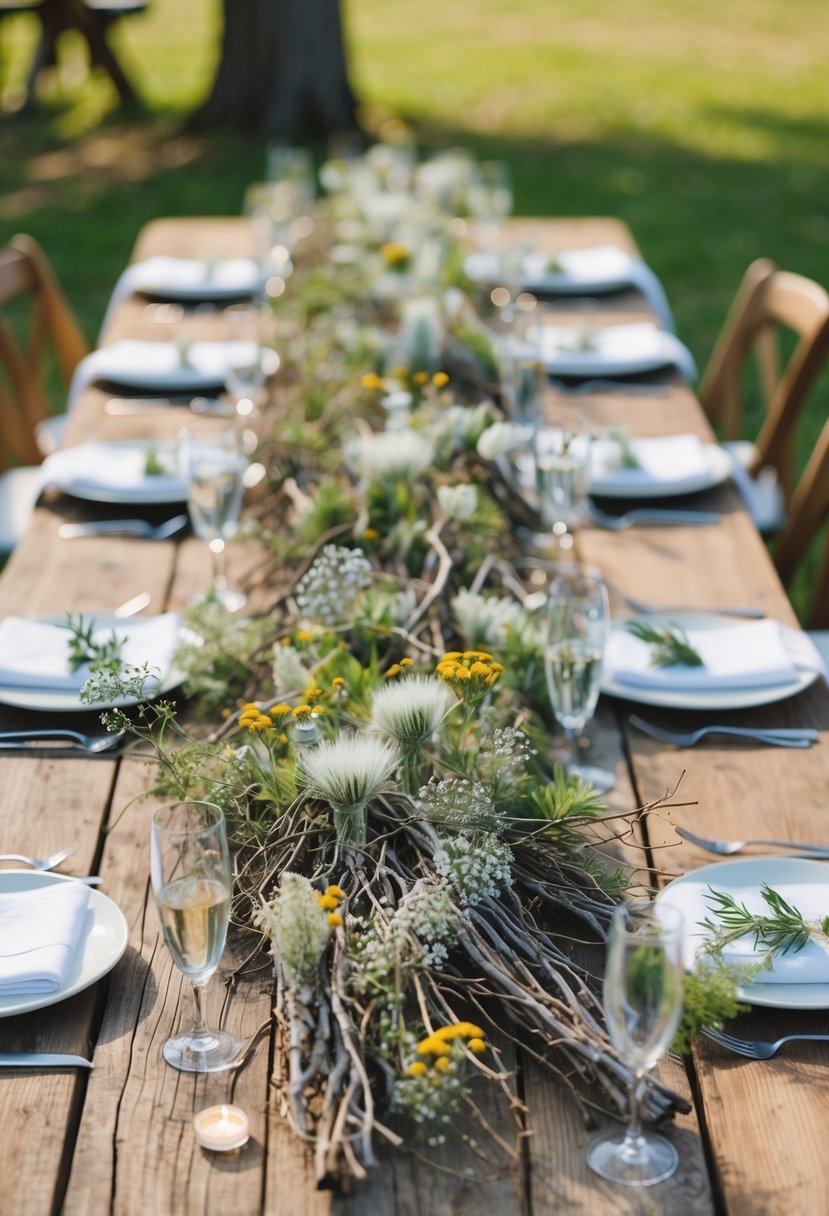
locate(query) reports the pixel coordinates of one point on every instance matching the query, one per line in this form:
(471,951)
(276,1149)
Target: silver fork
(727,848)
(125,527)
(775,737)
(42,863)
(650,515)
(758,1049)
(94,744)
(640,606)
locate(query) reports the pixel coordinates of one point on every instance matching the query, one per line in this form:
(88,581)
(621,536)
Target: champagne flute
(191,881)
(643,1005)
(563,477)
(578,621)
(214,472)
(489,198)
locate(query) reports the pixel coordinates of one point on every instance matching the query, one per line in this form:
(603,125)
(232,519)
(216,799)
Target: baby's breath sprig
(671,647)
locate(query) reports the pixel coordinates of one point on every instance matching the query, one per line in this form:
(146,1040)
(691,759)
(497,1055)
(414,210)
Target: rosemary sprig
(781,930)
(152,465)
(670,645)
(104,655)
(621,437)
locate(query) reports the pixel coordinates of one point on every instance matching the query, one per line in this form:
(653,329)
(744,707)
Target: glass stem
(633,1133)
(219,556)
(201,1030)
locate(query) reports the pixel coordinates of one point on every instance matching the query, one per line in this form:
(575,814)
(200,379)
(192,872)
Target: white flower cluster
(475,869)
(485,619)
(347,771)
(459,502)
(411,710)
(290,674)
(397,455)
(498,439)
(457,427)
(298,928)
(327,591)
(420,933)
(433,1099)
(456,801)
(503,755)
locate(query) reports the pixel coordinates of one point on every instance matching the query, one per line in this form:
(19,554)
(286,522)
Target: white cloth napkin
(35,654)
(614,350)
(582,271)
(668,458)
(159,365)
(110,467)
(807,966)
(40,931)
(751,655)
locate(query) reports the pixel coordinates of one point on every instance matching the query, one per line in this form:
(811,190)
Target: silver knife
(41,1059)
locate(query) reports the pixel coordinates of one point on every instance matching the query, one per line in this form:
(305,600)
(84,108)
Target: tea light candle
(221,1128)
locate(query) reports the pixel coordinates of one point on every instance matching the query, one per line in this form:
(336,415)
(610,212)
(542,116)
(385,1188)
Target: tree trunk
(282,71)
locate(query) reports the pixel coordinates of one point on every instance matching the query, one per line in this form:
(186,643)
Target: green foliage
(220,654)
(709,999)
(333,504)
(782,929)
(101,655)
(670,646)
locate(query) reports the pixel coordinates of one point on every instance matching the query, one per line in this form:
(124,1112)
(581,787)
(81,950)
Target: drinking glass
(643,1004)
(246,370)
(191,880)
(563,476)
(522,371)
(489,198)
(214,469)
(578,620)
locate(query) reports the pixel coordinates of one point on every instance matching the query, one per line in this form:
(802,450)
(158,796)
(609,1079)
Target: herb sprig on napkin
(101,654)
(669,645)
(782,929)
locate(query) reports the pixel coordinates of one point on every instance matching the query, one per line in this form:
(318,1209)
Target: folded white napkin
(35,654)
(196,277)
(160,365)
(668,458)
(751,655)
(598,269)
(40,931)
(110,467)
(613,350)
(807,966)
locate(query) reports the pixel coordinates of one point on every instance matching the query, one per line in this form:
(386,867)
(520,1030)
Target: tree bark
(282,71)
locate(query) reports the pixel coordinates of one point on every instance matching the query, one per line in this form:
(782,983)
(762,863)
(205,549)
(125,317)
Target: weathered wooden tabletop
(120,1139)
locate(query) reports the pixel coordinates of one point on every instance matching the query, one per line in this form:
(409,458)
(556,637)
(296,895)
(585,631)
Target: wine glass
(191,880)
(563,477)
(643,1004)
(578,620)
(214,470)
(489,198)
(246,370)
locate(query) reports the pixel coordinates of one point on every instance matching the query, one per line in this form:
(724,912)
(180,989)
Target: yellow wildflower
(471,672)
(313,694)
(370,534)
(395,253)
(372,381)
(432,1046)
(459,1030)
(301,711)
(334,920)
(338,682)
(226,712)
(406,662)
(304,635)
(316,711)
(420,377)
(392,671)
(443,1064)
(336,891)
(416,1069)
(280,710)
(329,902)
(477,1045)
(440,379)
(259,724)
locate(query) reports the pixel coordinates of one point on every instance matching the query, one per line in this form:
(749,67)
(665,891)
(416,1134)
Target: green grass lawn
(703,125)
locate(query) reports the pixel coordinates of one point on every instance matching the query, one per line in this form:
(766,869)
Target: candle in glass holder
(221,1128)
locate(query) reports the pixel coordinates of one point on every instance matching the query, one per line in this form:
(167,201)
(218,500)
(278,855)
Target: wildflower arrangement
(410,860)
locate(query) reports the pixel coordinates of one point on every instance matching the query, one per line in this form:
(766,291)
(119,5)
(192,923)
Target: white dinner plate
(629,483)
(597,271)
(61,700)
(614,350)
(103,940)
(68,474)
(750,873)
(157,366)
(796,642)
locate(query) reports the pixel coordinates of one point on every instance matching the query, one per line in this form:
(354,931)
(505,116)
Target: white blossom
(298,928)
(347,771)
(289,672)
(459,502)
(474,869)
(459,802)
(328,590)
(397,455)
(497,440)
(485,619)
(412,710)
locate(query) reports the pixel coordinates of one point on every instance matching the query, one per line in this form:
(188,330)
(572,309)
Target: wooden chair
(768,302)
(36,328)
(808,515)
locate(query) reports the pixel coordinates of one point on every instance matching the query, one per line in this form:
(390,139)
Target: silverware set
(758,1049)
(655,516)
(38,739)
(126,527)
(727,848)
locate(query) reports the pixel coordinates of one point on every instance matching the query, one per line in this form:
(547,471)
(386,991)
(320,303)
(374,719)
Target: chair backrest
(808,514)
(35,321)
(768,301)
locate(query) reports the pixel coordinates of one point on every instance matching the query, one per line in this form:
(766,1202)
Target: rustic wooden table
(120,1139)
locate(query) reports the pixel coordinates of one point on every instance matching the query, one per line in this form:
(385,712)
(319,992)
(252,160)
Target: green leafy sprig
(670,645)
(782,929)
(101,655)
